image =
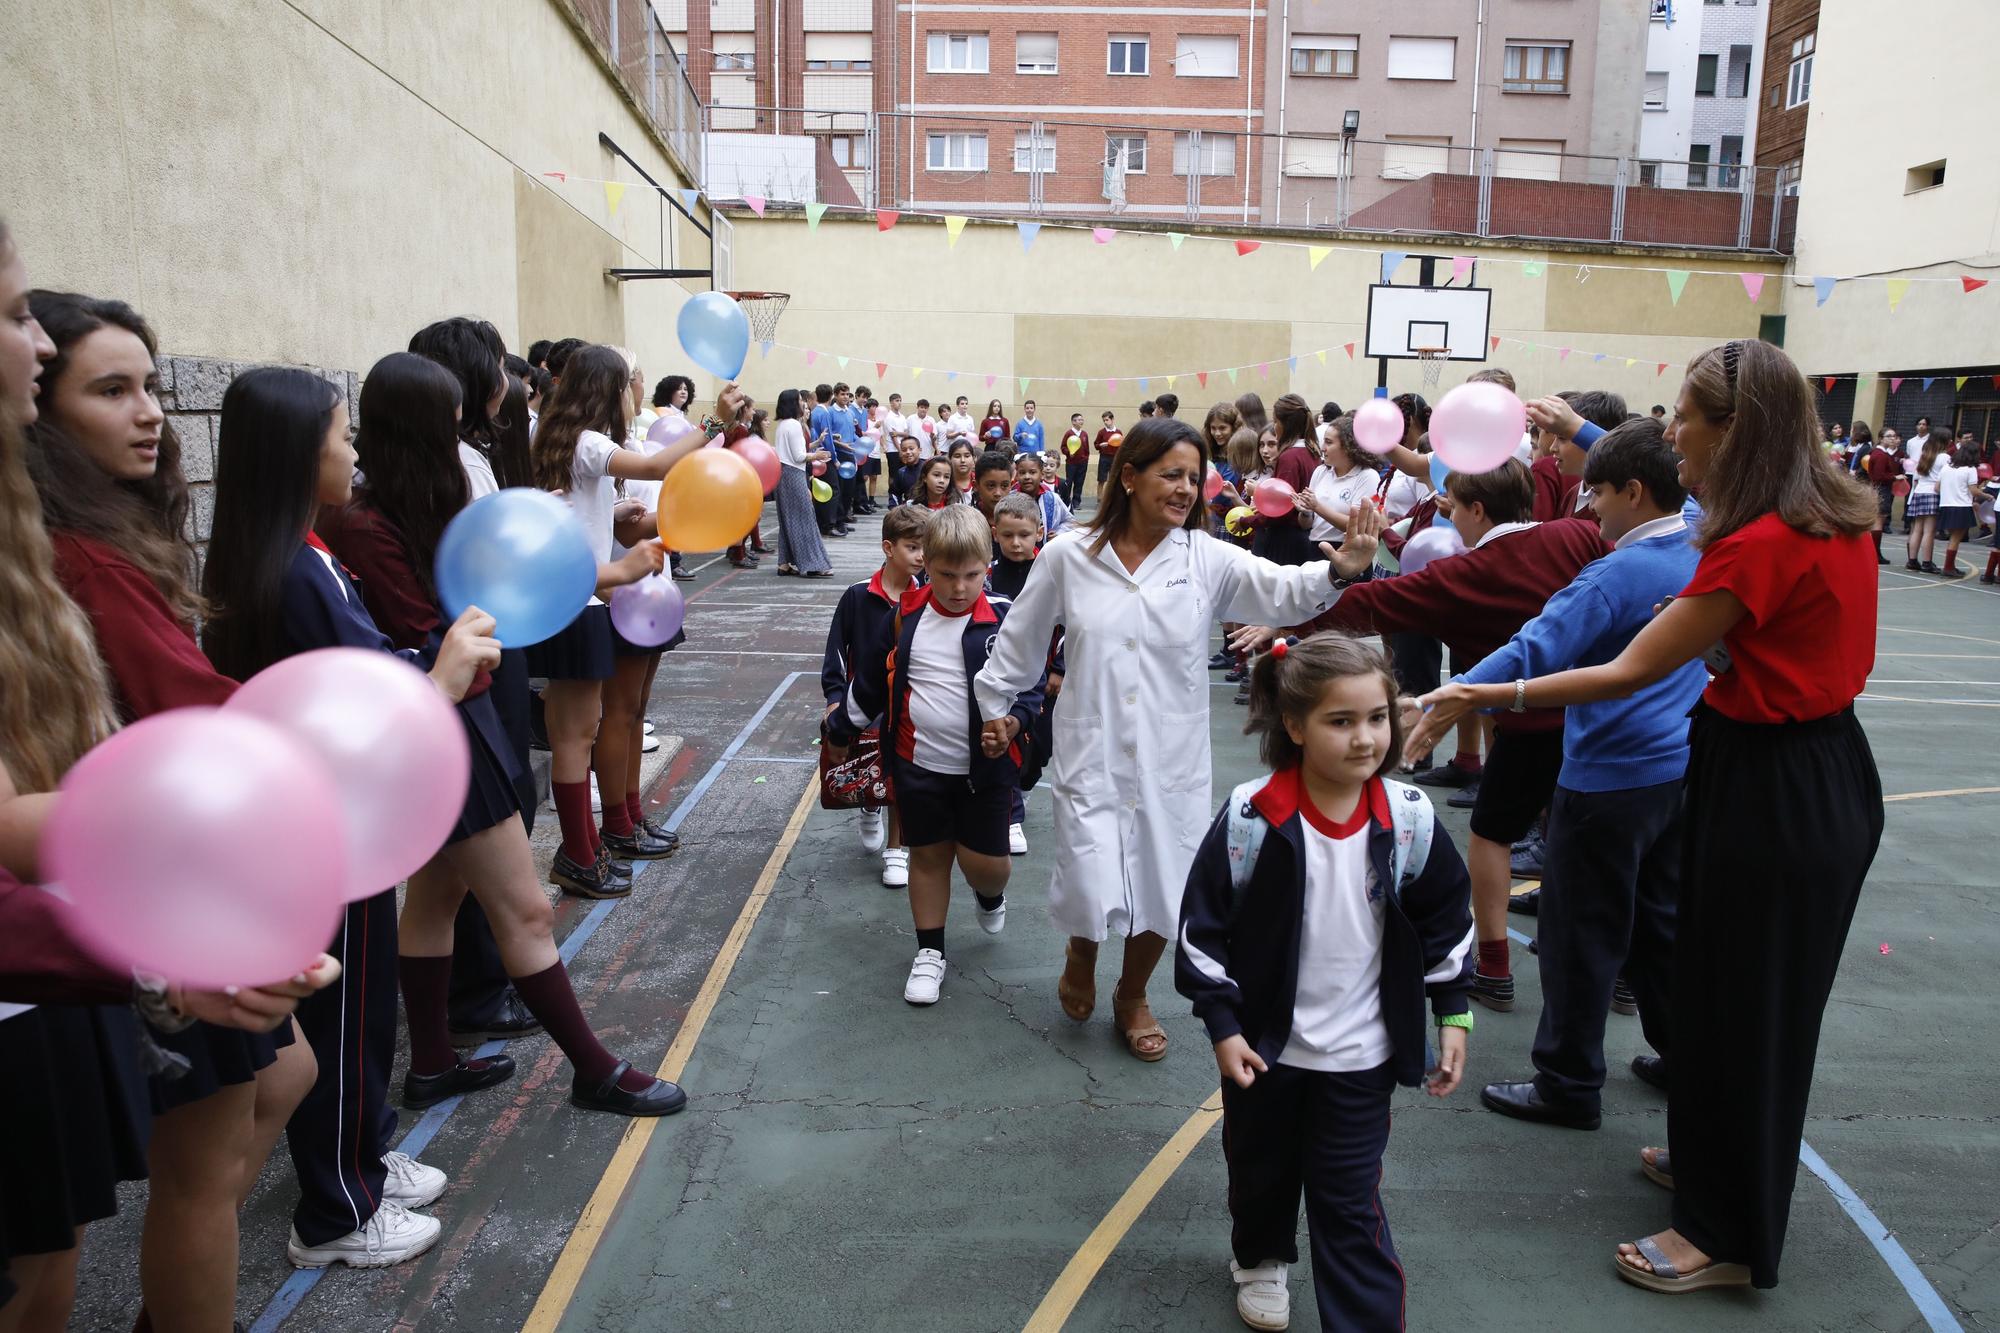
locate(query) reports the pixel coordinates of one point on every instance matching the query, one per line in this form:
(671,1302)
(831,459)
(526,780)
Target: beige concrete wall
(1136,307)
(1854,214)
(311,182)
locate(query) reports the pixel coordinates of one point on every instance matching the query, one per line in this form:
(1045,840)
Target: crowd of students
(1631,667)
(1947,483)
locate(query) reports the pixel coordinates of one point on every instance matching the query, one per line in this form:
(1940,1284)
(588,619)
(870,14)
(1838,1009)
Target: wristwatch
(1520,704)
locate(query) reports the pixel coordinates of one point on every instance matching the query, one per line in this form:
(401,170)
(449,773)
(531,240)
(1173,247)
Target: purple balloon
(668,429)
(1428,545)
(650,611)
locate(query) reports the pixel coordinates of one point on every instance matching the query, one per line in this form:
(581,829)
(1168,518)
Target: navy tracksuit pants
(1611,879)
(1298,1131)
(340,1131)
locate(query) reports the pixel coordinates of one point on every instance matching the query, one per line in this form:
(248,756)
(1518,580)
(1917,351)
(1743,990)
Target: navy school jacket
(879,689)
(319,614)
(1237,956)
(863,630)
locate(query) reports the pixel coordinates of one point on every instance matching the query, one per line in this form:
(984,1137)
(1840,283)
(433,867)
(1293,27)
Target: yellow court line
(1927,795)
(560,1288)
(1075,1279)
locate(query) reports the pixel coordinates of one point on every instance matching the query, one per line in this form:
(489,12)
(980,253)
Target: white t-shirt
(478,471)
(1343,493)
(940,709)
(1404,494)
(1927,484)
(1913,448)
(1337,1013)
(961,427)
(1956,487)
(591,493)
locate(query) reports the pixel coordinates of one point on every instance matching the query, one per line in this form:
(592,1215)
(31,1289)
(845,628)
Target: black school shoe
(421,1090)
(1222,661)
(1523,1101)
(639,845)
(1623,1001)
(510,1020)
(1465,797)
(593,881)
(659,830)
(663,1098)
(1650,1070)
(1496,993)
(1526,904)
(1448,774)
(1525,859)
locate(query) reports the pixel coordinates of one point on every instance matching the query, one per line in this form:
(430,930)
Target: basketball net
(763,310)
(1433,359)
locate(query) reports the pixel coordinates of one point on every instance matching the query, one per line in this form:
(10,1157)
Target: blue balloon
(846,469)
(715,333)
(521,556)
(1438,473)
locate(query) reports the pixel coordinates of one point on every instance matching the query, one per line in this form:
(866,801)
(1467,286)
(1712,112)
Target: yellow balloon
(821,491)
(1237,521)
(710,499)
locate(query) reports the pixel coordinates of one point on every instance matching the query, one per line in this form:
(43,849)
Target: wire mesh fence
(629,35)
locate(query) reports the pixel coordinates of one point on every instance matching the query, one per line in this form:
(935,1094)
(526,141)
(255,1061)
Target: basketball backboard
(1402,319)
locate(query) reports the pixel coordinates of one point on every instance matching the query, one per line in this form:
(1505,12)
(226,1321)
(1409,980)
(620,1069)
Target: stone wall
(191,389)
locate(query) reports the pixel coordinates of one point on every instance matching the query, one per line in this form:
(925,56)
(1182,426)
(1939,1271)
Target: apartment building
(1704,62)
(1786,84)
(1370,97)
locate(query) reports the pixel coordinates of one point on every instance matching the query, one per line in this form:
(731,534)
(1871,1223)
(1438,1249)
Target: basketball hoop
(1433,359)
(763,309)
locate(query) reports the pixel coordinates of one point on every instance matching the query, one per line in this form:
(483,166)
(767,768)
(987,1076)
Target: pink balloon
(1910,466)
(1433,543)
(762,458)
(1477,427)
(668,429)
(394,745)
(819,467)
(1272,497)
(650,611)
(1211,485)
(201,845)
(1378,426)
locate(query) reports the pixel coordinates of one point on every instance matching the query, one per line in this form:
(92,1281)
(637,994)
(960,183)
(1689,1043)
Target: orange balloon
(709,500)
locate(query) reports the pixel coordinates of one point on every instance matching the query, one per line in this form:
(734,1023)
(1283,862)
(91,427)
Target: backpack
(1410,816)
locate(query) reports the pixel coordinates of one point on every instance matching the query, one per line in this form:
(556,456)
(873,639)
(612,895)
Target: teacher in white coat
(1135,592)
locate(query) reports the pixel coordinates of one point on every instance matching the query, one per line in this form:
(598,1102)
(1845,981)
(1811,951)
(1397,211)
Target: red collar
(916,599)
(875,587)
(312,540)
(1284,796)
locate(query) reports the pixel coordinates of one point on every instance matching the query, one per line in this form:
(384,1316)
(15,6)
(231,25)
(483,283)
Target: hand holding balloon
(648,612)
(1477,427)
(468,648)
(648,557)
(1272,497)
(521,555)
(256,1008)
(1554,416)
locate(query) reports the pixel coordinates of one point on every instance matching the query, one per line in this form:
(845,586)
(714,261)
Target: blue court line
(292,1293)
(1915,1285)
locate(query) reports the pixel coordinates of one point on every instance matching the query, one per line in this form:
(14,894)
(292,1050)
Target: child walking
(1324,901)
(952,794)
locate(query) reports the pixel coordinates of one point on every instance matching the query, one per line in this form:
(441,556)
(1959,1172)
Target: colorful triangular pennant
(1024,383)
(814,212)
(1822,288)
(1083,387)
(755,203)
(1201,376)
(881,370)
(1971,285)
(1246,247)
(1391,261)
(1263,370)
(1321,354)
(1496,344)
(1928,381)
(1029,231)
(1829,381)
(1531,269)
(1677,281)
(1103,235)
(689,198)
(1460,266)
(1753,284)
(1318,252)
(886,218)
(614,191)
(1349,347)
(1177,237)
(1896,289)
(811,356)
(954,223)
(1895,383)
(766,347)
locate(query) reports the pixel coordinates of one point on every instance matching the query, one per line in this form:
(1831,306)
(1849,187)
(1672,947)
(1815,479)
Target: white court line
(1937,634)
(1897,699)
(1933,680)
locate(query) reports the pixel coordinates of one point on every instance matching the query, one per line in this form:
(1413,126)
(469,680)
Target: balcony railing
(1157,170)
(629,35)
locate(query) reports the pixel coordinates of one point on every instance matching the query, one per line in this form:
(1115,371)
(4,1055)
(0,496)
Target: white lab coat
(1130,768)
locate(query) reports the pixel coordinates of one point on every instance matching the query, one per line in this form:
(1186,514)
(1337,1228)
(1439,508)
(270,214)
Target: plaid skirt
(1921,506)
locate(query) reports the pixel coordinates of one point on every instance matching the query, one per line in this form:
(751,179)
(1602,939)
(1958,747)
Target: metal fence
(629,35)
(1156,169)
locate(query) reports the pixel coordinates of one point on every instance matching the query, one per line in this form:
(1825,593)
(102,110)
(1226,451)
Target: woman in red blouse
(1784,806)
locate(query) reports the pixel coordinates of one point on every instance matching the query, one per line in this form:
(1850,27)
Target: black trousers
(1417,659)
(1610,881)
(344,1125)
(1782,825)
(1299,1131)
(1074,476)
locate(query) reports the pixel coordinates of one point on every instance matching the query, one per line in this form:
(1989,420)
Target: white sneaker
(649,728)
(1263,1294)
(394,1235)
(1017,840)
(410,1182)
(926,976)
(874,831)
(648,743)
(992,922)
(896,868)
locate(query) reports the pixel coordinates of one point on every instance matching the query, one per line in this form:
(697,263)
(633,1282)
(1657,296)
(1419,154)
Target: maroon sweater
(153,659)
(1555,494)
(1476,601)
(371,548)
(40,961)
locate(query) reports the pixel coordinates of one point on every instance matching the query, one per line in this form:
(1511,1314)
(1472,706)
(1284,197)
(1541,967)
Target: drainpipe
(1478,72)
(910,108)
(1284,88)
(1249,105)
(777,69)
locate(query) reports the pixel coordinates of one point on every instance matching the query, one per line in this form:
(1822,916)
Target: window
(1134,146)
(1698,167)
(1032,156)
(1325,57)
(1529,159)
(1542,68)
(957,152)
(1127,55)
(1422,57)
(850,151)
(1035,53)
(1649,173)
(957,52)
(1406,157)
(1739,71)
(1312,157)
(734,51)
(1217,155)
(1798,84)
(1731,157)
(1205,57)
(1704,76)
(1656,90)
(839,51)
(1926,177)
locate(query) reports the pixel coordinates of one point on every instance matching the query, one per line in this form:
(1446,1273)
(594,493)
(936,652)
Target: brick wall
(191,389)
(1572,209)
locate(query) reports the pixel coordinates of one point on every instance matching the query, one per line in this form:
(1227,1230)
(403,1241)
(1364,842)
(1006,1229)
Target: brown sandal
(1136,1024)
(1078,998)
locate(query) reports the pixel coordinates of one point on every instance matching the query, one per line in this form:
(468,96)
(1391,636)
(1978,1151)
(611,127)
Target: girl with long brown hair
(1783,804)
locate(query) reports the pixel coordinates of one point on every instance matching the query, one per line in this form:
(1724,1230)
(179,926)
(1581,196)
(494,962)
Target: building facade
(1704,62)
(1791,40)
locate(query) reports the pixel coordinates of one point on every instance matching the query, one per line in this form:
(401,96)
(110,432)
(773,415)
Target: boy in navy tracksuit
(951,792)
(863,630)
(1611,871)
(1017,533)
(1323,906)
